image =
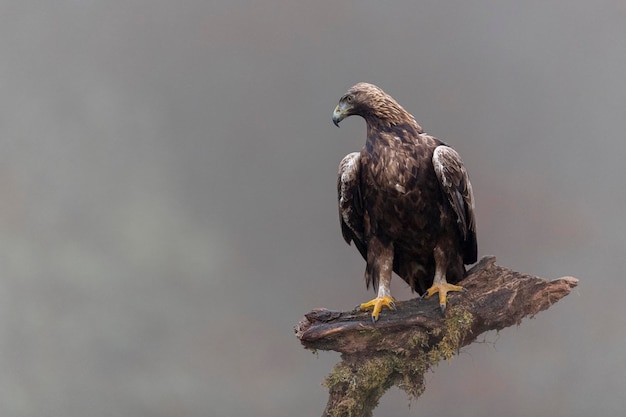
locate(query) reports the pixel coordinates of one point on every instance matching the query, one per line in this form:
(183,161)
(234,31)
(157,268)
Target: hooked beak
(339,114)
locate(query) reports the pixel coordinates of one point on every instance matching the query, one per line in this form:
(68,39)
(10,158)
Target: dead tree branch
(403,345)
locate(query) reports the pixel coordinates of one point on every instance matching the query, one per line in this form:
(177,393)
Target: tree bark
(404,344)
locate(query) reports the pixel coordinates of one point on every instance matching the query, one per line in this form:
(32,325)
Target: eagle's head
(371,103)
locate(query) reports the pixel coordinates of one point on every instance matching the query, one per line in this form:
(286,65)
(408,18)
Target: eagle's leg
(440,285)
(384,299)
(379,268)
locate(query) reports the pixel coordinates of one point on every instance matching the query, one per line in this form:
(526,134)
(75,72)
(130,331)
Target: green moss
(361,384)
(417,340)
(366,375)
(340,374)
(458,324)
(361,381)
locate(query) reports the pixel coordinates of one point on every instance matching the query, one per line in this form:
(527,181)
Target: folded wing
(350,203)
(458,190)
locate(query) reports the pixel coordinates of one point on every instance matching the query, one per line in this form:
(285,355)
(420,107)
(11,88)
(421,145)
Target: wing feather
(350,203)
(458,190)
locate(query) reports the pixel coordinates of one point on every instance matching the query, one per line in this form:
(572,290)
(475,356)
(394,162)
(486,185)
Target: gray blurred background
(168,208)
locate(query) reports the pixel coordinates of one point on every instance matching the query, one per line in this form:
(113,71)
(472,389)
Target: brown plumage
(405,200)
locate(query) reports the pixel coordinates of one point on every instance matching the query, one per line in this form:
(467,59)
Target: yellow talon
(443,290)
(378,304)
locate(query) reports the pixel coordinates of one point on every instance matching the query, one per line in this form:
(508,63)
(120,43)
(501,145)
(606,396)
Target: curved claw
(378,303)
(443,290)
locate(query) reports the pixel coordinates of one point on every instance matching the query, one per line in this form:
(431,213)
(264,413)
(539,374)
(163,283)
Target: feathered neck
(390,116)
(380,110)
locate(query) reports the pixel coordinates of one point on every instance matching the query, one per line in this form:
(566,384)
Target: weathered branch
(403,345)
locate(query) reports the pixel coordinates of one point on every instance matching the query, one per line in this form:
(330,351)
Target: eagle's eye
(349,99)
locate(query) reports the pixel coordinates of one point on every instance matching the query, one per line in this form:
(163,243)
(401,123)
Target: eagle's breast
(400,187)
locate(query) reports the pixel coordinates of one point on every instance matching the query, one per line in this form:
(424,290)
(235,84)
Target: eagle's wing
(458,190)
(350,203)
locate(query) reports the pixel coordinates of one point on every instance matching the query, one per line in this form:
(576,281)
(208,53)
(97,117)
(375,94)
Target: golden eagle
(405,201)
